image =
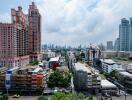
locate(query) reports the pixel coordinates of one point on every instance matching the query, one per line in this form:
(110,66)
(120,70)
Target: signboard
(8,81)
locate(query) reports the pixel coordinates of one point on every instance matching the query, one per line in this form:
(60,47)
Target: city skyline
(80,22)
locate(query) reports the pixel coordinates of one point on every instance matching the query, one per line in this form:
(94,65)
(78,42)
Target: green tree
(1,97)
(74,96)
(59,79)
(59,96)
(35,62)
(63,96)
(42,98)
(112,74)
(81,96)
(90,98)
(4,97)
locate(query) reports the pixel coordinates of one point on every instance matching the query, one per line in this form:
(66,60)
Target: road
(27,98)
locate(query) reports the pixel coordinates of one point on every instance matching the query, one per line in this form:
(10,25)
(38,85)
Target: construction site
(26,80)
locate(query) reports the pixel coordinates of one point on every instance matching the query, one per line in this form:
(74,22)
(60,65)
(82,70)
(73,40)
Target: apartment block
(20,40)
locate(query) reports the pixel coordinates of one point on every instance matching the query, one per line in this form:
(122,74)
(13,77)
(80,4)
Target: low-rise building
(85,77)
(125,78)
(54,62)
(108,65)
(108,87)
(22,80)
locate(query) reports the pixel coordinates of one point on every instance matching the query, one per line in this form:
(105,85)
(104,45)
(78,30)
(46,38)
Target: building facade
(16,39)
(124,35)
(124,43)
(116,45)
(109,45)
(92,52)
(108,65)
(85,77)
(34,19)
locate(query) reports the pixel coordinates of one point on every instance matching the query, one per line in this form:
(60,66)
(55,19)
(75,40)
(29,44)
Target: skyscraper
(34,19)
(124,30)
(130,35)
(20,40)
(109,45)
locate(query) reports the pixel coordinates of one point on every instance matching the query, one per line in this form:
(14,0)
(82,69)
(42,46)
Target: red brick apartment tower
(14,40)
(34,18)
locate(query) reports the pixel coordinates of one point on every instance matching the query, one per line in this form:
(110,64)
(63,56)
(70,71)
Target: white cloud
(74,22)
(5,17)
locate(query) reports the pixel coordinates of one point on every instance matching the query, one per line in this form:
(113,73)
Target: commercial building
(124,43)
(85,77)
(20,40)
(22,80)
(108,65)
(124,35)
(109,45)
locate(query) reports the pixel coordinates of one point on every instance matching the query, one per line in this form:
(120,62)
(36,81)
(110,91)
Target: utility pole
(125,87)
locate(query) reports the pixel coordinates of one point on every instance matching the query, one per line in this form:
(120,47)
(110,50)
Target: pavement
(129,97)
(24,98)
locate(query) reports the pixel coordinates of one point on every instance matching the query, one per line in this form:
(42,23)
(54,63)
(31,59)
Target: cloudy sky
(74,22)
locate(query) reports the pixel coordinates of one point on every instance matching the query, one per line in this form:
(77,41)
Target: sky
(75,22)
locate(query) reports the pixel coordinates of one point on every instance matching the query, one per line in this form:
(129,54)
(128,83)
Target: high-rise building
(116,45)
(130,36)
(92,52)
(124,28)
(109,45)
(20,40)
(13,40)
(125,35)
(34,19)
(101,47)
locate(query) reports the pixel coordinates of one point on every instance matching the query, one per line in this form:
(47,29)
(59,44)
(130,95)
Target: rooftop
(79,66)
(37,70)
(54,59)
(106,83)
(126,74)
(108,61)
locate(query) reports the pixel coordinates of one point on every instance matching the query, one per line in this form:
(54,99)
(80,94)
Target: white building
(108,65)
(108,87)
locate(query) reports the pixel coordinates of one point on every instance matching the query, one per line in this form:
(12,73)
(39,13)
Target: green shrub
(42,98)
